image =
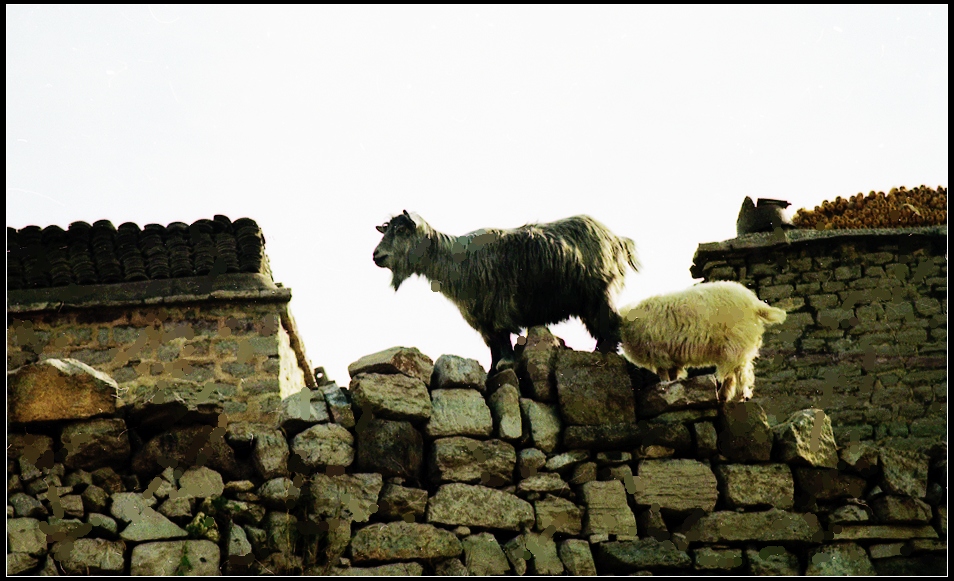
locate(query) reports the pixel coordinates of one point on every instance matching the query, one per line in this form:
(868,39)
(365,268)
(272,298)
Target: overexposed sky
(321,122)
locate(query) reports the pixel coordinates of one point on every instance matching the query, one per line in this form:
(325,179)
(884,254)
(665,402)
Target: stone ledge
(241,286)
(763,240)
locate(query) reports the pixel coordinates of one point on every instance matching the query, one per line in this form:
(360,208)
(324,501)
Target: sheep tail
(770,315)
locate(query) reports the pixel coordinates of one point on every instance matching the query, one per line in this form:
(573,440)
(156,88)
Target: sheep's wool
(714,323)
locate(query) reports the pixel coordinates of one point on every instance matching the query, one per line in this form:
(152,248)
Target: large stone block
(95,443)
(395,397)
(401,540)
(406,360)
(451,371)
(459,459)
(459,412)
(58,389)
(478,506)
(747,485)
(680,485)
(392,448)
(806,437)
(593,388)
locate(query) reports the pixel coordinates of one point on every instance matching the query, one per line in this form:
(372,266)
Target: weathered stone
(604,437)
(459,412)
(102,524)
(543,548)
(710,559)
(145,524)
(399,502)
(613,457)
(919,565)
(238,551)
(357,494)
(772,560)
(676,484)
(391,448)
(839,559)
(280,493)
(529,461)
(240,512)
(593,388)
(505,409)
(517,554)
(324,445)
(95,443)
(706,438)
(199,482)
(406,360)
(301,410)
(632,556)
(95,499)
(849,513)
(458,459)
(463,504)
(904,472)
(483,555)
(558,515)
(410,569)
(394,397)
(771,525)
(544,422)
(747,485)
(861,457)
(806,437)
(19,562)
(450,568)
(744,433)
(90,556)
(567,459)
(175,557)
(339,405)
(451,371)
(270,454)
(825,484)
(58,389)
(282,532)
(25,505)
(607,510)
(900,509)
(883,532)
(577,558)
(669,435)
(178,510)
(183,447)
(650,523)
(401,540)
(203,526)
(694,392)
(544,482)
(25,536)
(535,369)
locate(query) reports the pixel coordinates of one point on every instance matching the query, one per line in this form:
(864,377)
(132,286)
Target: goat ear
(382,229)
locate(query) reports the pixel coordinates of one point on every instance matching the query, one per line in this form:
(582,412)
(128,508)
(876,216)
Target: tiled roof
(103,254)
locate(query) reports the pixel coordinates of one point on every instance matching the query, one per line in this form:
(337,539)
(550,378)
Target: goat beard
(398,277)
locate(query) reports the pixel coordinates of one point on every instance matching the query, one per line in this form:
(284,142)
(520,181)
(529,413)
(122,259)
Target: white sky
(320,122)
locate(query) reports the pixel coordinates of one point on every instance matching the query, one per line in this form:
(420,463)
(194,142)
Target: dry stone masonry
(577,464)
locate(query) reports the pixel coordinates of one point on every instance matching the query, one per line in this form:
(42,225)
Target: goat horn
(406,214)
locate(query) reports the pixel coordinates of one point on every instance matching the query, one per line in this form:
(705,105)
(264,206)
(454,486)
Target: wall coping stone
(239,286)
(764,240)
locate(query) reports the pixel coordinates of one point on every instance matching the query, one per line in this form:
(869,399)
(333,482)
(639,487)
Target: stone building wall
(577,463)
(232,347)
(866,334)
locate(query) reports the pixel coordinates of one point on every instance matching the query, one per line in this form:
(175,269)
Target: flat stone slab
(57,390)
(401,540)
(770,525)
(478,506)
(407,360)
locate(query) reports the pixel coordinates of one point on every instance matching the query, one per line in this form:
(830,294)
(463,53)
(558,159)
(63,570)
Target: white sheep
(712,323)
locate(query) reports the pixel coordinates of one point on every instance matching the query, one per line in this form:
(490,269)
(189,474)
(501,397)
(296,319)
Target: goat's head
(402,247)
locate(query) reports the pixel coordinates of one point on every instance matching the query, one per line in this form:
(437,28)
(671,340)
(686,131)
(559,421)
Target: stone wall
(233,347)
(578,463)
(866,334)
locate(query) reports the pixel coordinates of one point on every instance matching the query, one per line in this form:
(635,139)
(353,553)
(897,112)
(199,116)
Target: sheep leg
(728,387)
